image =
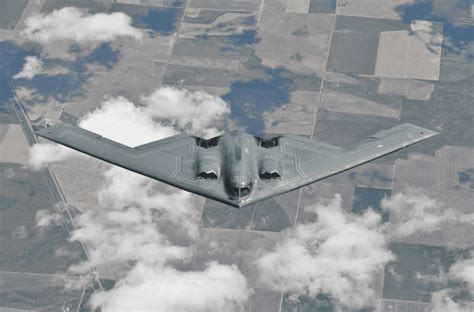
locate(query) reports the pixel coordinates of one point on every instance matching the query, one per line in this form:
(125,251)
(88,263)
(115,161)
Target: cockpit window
(244,191)
(240,192)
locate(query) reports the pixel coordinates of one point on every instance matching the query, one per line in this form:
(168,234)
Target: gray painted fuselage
(238,151)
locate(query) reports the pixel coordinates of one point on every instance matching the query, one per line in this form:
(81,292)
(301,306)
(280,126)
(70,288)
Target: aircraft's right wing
(306,161)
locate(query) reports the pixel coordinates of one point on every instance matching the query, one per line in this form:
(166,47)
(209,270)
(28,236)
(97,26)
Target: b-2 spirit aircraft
(236,168)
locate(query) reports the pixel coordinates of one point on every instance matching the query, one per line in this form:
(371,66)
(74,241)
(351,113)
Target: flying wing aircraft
(236,168)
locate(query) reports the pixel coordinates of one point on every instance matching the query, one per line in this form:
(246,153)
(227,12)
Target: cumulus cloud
(73,25)
(127,225)
(198,112)
(447,299)
(34,66)
(413,211)
(339,254)
(45,218)
(31,68)
(120,120)
(463,270)
(442,301)
(217,288)
(42,154)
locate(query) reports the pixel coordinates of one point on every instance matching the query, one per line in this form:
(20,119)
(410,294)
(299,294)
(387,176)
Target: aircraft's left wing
(170,160)
(306,161)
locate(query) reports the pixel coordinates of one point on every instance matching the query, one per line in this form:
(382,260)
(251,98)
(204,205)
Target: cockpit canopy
(240,191)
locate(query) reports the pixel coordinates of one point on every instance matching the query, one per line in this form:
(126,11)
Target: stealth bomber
(236,168)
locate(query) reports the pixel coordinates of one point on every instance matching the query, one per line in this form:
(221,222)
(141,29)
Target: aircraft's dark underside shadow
(268,215)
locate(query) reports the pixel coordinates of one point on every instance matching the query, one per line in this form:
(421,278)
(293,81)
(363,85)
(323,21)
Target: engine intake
(268,143)
(208,168)
(207,143)
(269,169)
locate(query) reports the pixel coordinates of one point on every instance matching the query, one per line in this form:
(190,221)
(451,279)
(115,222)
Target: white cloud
(128,223)
(442,301)
(45,218)
(42,154)
(73,25)
(445,300)
(196,112)
(34,66)
(217,288)
(31,68)
(339,255)
(124,188)
(461,272)
(120,120)
(413,211)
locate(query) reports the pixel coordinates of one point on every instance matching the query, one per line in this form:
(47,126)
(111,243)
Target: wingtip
(421,131)
(427,133)
(432,133)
